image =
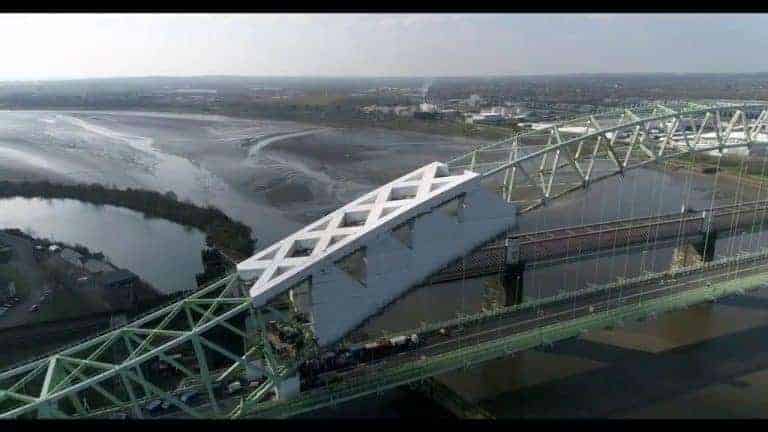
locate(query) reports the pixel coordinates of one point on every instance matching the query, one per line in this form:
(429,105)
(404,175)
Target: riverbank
(231,237)
(55,287)
(67,307)
(747,175)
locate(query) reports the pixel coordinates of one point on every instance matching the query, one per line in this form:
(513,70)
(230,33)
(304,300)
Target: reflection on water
(165,254)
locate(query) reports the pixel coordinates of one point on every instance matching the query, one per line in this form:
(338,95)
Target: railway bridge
(694,232)
(231,349)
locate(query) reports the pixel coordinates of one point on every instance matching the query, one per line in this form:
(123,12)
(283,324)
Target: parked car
(34,308)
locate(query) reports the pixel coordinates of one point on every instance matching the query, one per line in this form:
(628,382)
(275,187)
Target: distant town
(483,107)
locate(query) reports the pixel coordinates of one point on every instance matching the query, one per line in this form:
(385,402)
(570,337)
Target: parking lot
(18,312)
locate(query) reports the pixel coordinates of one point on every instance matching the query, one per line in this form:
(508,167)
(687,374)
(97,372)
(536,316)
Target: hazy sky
(38,46)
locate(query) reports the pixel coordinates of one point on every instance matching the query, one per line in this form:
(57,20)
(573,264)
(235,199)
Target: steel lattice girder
(86,366)
(626,154)
(502,347)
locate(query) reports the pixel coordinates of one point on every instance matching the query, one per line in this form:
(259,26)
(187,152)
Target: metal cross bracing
(216,335)
(120,370)
(544,164)
(506,331)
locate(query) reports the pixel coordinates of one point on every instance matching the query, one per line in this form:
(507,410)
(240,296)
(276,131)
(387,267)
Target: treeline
(222,232)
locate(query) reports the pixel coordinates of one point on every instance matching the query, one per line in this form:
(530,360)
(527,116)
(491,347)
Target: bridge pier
(508,289)
(707,246)
(695,253)
(512,282)
(514,271)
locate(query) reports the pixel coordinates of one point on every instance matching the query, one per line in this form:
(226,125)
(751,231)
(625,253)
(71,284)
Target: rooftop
(71,256)
(97,266)
(118,275)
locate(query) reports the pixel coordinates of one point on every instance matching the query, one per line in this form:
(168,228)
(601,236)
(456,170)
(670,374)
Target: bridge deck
(535,324)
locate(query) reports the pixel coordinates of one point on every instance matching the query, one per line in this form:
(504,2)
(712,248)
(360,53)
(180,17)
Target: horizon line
(481,76)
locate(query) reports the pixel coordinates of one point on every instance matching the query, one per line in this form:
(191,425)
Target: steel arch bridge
(560,158)
(223,331)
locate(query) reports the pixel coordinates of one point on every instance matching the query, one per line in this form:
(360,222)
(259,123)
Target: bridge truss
(549,162)
(121,369)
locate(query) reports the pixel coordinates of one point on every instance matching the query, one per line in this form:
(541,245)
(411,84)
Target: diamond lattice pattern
(308,245)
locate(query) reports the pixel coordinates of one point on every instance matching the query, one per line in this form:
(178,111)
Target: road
(529,318)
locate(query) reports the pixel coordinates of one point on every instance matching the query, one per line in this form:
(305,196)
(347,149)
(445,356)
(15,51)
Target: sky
(55,46)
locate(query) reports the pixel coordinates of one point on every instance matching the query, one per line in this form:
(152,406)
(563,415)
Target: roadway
(507,322)
(528,318)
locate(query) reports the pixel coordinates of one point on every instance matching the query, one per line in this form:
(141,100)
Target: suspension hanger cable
(762,181)
(736,241)
(714,191)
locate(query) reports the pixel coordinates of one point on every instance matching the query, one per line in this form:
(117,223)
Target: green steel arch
(561,158)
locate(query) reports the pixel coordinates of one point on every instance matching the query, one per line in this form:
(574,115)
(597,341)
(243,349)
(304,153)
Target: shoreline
(231,237)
